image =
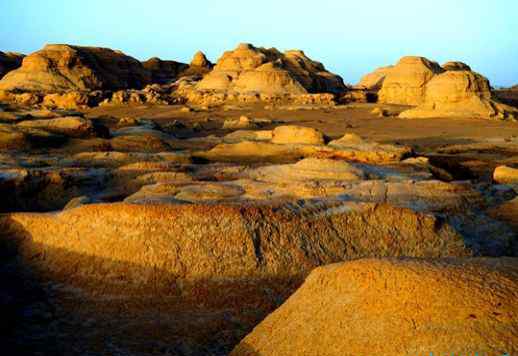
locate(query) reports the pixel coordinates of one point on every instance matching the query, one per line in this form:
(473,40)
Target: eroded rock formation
(355,308)
(59,68)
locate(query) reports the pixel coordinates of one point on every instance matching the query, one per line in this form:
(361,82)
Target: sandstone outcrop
(396,307)
(191,241)
(405,83)
(459,93)
(455,66)
(374,80)
(9,61)
(59,68)
(251,69)
(163,71)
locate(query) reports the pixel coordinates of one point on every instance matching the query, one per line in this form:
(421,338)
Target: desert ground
(256,206)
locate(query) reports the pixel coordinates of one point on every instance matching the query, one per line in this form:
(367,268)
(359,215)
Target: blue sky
(350,37)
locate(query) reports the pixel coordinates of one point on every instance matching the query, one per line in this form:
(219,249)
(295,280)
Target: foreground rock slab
(396,307)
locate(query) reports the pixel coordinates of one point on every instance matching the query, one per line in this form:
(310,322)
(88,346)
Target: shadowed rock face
(396,307)
(163,72)
(9,61)
(58,68)
(249,69)
(405,83)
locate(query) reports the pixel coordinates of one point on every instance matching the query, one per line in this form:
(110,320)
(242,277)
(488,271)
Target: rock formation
(251,69)
(163,72)
(455,66)
(396,307)
(9,61)
(59,68)
(374,80)
(405,83)
(459,93)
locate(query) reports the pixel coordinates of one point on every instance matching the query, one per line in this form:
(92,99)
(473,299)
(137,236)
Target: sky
(350,38)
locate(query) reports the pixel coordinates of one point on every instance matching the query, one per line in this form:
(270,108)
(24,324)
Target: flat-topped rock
(353,147)
(73,126)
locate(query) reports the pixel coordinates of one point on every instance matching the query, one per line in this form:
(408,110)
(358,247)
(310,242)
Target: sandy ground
(422,134)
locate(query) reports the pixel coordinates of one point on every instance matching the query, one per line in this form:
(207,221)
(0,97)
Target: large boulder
(9,61)
(59,68)
(374,80)
(405,83)
(459,93)
(163,72)
(396,307)
(251,69)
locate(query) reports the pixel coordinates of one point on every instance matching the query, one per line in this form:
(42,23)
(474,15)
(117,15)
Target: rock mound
(396,307)
(459,93)
(405,83)
(251,69)
(374,80)
(455,66)
(163,72)
(9,61)
(59,67)
(292,134)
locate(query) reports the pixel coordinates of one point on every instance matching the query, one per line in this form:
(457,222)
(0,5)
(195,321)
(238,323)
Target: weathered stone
(59,68)
(354,308)
(405,82)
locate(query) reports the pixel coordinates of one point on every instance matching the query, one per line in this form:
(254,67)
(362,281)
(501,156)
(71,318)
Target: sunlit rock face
(354,308)
(460,93)
(59,67)
(405,82)
(251,69)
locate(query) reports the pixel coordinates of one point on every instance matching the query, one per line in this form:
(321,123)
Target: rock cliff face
(58,68)
(251,69)
(405,83)
(396,307)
